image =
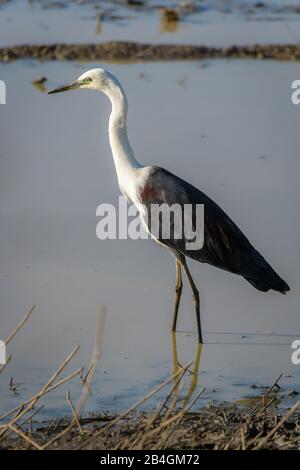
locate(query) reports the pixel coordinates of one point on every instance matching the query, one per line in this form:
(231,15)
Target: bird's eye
(87,80)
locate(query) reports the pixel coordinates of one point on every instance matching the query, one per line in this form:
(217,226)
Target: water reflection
(39,84)
(194,373)
(168,26)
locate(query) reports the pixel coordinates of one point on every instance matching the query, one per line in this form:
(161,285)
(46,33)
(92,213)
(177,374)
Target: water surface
(214,23)
(230,129)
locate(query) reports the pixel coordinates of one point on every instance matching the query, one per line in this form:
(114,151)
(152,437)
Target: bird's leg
(196,300)
(178,290)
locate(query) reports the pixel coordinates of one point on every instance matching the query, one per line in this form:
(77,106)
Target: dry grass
(171,426)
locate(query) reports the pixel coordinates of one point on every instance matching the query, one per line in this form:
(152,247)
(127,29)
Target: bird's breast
(147,192)
(134,186)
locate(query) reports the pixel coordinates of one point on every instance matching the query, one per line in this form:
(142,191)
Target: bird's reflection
(177,367)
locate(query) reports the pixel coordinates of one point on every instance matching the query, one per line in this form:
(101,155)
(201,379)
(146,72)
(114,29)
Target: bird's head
(94,79)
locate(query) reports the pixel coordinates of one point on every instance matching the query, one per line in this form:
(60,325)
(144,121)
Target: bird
(224,246)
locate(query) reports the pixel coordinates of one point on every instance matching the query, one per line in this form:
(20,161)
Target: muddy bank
(214,428)
(132,51)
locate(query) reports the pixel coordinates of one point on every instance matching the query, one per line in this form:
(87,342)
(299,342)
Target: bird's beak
(69,86)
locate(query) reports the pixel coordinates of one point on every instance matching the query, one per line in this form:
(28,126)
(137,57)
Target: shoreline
(212,428)
(138,52)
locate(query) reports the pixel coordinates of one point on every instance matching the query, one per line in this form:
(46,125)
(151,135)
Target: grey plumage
(225,246)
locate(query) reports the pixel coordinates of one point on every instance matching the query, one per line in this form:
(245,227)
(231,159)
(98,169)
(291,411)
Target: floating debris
(134,3)
(169,20)
(170,14)
(39,84)
(14,387)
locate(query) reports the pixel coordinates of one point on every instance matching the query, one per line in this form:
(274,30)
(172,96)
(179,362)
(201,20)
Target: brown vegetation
(133,51)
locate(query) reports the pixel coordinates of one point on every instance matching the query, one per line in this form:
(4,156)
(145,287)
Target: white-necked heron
(225,246)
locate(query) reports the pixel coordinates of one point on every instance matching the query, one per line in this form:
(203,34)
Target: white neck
(124,159)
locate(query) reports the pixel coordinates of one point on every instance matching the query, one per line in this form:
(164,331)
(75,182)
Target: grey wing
(225,246)
(220,234)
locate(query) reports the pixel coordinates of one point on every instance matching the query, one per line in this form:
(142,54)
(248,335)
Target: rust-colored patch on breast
(147,193)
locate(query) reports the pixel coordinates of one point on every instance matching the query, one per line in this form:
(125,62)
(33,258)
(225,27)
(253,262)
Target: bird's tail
(269,280)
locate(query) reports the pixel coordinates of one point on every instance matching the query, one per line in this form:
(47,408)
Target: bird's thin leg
(196,300)
(178,290)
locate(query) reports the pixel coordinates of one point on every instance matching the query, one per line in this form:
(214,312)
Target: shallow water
(230,129)
(216,22)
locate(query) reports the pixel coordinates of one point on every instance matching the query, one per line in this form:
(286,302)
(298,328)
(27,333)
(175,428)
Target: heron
(225,246)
